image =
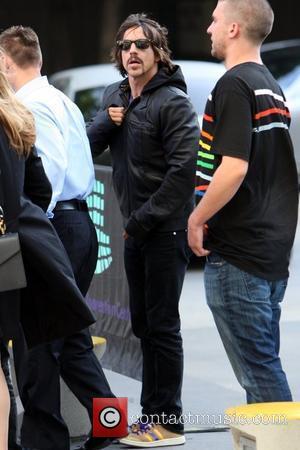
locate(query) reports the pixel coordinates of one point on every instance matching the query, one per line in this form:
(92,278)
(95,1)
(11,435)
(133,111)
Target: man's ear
(7,64)
(234,30)
(157,59)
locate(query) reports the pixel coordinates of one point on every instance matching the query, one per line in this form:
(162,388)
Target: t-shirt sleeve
(234,124)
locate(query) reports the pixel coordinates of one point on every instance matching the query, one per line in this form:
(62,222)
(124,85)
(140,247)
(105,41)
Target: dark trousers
(155,273)
(72,358)
(5,364)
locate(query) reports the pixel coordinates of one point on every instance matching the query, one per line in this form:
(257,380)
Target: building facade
(76,33)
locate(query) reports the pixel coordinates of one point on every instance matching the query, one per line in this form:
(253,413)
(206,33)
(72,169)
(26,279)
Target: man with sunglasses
(152,130)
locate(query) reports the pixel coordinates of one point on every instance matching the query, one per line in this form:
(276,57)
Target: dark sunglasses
(141,44)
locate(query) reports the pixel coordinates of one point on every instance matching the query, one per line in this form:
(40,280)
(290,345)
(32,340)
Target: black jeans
(155,272)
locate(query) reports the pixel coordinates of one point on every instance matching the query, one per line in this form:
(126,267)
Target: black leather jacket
(153,152)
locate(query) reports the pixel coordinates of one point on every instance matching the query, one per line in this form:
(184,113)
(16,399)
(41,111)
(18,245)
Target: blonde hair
(256,16)
(16,120)
(22,45)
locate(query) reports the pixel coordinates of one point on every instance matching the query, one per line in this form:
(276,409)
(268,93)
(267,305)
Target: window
(89,101)
(282,61)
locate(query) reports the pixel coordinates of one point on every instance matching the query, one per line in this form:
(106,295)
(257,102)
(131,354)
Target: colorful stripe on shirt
(271,112)
(207,161)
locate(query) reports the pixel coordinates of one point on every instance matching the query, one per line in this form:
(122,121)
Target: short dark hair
(153,31)
(22,45)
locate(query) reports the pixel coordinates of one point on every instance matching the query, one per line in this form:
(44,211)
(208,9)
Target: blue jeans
(246,311)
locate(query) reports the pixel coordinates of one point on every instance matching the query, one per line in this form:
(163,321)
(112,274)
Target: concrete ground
(194,441)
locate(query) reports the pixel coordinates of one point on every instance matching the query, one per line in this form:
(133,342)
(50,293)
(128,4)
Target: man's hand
(116,114)
(196,234)
(125,235)
(225,183)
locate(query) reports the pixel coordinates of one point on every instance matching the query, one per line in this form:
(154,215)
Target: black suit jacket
(51,305)
(37,187)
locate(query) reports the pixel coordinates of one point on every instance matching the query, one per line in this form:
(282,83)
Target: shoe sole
(160,443)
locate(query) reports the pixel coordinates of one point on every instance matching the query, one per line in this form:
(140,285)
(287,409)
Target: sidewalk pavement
(194,441)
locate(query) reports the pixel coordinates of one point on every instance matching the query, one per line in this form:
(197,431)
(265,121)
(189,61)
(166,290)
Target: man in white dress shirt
(63,146)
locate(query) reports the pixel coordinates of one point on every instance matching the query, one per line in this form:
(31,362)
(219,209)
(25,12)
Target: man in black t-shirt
(246,220)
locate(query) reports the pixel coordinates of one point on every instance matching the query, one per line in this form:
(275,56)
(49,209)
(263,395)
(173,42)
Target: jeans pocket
(215,260)
(258,289)
(278,290)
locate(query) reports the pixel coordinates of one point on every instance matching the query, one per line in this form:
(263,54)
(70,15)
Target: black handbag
(12,273)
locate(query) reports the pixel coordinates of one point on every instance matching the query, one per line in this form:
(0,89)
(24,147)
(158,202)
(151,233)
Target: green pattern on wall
(96,203)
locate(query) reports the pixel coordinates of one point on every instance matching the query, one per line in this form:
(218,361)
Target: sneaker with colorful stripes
(151,435)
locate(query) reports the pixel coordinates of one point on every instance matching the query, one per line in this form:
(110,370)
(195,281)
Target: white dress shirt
(61,141)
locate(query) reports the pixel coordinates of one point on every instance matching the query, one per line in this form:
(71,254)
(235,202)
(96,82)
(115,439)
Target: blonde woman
(51,306)
(16,131)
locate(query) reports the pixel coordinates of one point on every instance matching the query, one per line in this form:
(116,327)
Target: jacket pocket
(143,146)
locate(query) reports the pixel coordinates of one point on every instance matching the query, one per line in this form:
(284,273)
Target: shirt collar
(32,86)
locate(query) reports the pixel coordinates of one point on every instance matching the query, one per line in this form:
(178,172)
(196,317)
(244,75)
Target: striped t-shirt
(247,117)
